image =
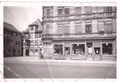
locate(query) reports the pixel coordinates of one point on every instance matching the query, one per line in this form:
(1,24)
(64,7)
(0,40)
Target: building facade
(86,31)
(32,42)
(12,41)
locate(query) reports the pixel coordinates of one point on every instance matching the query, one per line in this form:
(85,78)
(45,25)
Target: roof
(10,27)
(37,22)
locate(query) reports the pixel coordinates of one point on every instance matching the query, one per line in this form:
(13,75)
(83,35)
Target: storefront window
(78,49)
(58,49)
(107,48)
(67,50)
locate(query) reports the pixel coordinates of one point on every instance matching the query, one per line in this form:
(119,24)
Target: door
(27,52)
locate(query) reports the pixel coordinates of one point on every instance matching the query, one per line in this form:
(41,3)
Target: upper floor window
(19,43)
(108,9)
(47,12)
(108,27)
(88,9)
(88,28)
(16,34)
(66,11)
(98,9)
(36,27)
(31,28)
(78,27)
(36,35)
(101,27)
(63,11)
(48,28)
(60,11)
(11,33)
(78,10)
(66,27)
(16,42)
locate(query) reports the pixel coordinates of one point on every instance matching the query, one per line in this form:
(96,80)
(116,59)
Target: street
(22,69)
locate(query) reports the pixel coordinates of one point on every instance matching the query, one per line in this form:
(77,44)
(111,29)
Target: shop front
(94,49)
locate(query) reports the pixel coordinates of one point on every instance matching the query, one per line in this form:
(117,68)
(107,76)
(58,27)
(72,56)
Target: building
(32,39)
(86,31)
(12,41)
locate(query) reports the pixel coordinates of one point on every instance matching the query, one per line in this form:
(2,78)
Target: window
(40,35)
(66,27)
(60,27)
(36,35)
(101,27)
(48,28)
(32,36)
(11,33)
(78,27)
(19,43)
(78,10)
(88,28)
(88,9)
(31,28)
(58,49)
(16,43)
(60,11)
(36,27)
(36,43)
(107,48)
(66,11)
(98,9)
(32,42)
(108,27)
(47,12)
(16,34)
(108,9)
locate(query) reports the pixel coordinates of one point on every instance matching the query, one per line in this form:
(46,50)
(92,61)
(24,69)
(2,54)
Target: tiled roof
(10,27)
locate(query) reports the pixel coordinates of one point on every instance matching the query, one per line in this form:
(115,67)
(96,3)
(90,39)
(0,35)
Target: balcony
(81,36)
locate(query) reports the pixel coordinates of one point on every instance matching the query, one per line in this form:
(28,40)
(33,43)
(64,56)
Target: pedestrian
(40,54)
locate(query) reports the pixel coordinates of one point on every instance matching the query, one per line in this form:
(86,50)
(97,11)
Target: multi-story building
(32,39)
(86,30)
(12,41)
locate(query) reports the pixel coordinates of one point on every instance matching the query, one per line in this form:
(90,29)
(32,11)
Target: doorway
(107,48)
(90,48)
(27,52)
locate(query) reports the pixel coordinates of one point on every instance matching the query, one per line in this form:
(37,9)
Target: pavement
(37,59)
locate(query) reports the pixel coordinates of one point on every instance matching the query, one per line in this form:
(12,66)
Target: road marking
(12,71)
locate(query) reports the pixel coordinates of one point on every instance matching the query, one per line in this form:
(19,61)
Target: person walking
(40,54)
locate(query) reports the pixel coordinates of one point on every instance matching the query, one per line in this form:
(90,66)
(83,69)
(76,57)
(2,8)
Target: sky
(21,17)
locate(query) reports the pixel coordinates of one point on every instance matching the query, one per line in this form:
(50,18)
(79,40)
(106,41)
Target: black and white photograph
(60,42)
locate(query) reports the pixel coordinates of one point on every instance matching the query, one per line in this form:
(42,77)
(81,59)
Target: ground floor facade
(89,49)
(32,51)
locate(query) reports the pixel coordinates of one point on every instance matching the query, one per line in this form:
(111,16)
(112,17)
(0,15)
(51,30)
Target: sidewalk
(37,59)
